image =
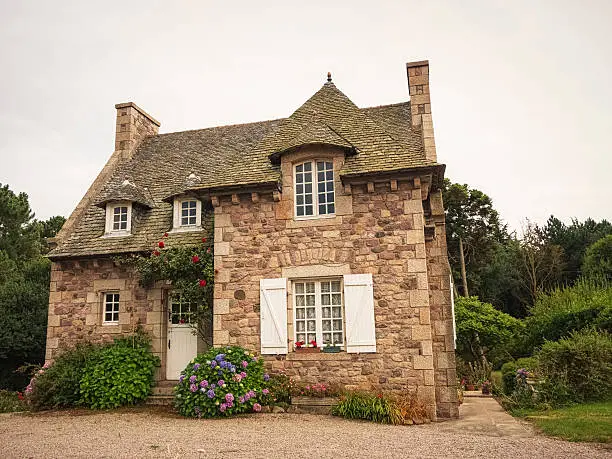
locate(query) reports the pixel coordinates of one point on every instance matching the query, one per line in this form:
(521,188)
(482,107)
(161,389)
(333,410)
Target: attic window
(314,189)
(118,218)
(187,214)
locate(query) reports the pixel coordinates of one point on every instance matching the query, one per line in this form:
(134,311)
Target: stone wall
(378,229)
(76,306)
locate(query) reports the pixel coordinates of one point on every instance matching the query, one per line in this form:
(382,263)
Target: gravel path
(151,432)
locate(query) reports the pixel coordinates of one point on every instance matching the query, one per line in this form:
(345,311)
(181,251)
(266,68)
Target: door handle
(168,344)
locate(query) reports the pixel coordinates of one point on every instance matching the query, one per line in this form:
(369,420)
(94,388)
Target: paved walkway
(482,415)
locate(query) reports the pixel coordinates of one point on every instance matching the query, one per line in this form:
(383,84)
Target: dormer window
(314,189)
(118,218)
(187,214)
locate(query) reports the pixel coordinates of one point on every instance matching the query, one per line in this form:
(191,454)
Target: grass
(589,422)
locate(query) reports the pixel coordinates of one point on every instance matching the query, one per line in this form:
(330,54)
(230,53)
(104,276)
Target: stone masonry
(378,229)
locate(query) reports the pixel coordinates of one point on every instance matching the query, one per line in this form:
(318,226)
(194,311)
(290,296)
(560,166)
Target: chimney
(420,104)
(133,124)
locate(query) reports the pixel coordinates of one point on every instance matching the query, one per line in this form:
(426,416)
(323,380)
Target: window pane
(115,226)
(108,317)
(322,209)
(337,311)
(325,300)
(300,211)
(326,312)
(299,288)
(117,210)
(299,189)
(307,167)
(299,199)
(301,337)
(336,298)
(326,325)
(325,287)
(312,325)
(299,313)
(308,188)
(308,210)
(311,337)
(300,326)
(308,199)
(308,177)
(326,338)
(299,168)
(310,313)
(331,209)
(335,286)
(310,287)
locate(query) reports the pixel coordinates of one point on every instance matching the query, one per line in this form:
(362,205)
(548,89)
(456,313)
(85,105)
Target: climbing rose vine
(189,268)
(222,382)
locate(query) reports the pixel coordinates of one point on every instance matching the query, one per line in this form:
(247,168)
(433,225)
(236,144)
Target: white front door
(182,340)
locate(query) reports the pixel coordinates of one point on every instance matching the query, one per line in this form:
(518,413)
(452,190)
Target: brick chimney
(133,124)
(420,104)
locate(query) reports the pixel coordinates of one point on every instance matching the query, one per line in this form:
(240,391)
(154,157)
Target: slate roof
(125,191)
(379,139)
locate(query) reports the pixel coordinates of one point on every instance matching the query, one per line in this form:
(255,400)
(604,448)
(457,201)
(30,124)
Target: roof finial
(329,77)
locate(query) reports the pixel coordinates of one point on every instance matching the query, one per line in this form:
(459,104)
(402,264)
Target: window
(314,189)
(111,308)
(181,311)
(187,214)
(118,218)
(319,312)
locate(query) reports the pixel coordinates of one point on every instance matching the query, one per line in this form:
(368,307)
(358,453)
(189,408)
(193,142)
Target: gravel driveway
(151,432)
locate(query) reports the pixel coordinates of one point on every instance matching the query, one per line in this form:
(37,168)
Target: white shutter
(273,315)
(359,313)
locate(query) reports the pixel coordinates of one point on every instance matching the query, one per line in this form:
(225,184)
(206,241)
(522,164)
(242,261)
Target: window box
(307,350)
(332,349)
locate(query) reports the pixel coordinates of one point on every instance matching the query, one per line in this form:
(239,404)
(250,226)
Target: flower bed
(222,382)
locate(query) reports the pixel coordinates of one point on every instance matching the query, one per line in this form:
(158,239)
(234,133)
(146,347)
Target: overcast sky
(521,90)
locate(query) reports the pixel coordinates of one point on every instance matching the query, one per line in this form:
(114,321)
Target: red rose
(203,239)
(161,244)
(208,250)
(203,283)
(195,258)
(156,253)
(165,234)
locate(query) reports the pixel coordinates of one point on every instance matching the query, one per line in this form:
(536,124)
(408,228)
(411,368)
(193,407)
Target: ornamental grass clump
(222,382)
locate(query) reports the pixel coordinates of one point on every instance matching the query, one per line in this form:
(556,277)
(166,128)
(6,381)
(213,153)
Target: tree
(24,285)
(598,259)
(18,233)
(574,239)
(473,229)
(542,262)
(483,332)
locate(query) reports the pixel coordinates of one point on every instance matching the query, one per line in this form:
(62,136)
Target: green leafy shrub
(119,374)
(555,315)
(281,387)
(509,369)
(577,368)
(222,382)
(11,402)
(57,385)
(598,259)
(381,408)
(482,330)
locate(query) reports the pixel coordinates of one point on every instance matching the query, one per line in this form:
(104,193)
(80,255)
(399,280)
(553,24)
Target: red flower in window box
(182,321)
(203,239)
(165,234)
(313,343)
(156,253)
(195,258)
(203,283)
(299,344)
(161,244)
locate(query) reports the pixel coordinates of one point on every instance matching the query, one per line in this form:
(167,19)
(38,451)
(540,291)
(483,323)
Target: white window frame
(177,220)
(318,310)
(105,304)
(315,190)
(110,210)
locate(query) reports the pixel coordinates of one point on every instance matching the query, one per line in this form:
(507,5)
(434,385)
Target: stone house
(328,226)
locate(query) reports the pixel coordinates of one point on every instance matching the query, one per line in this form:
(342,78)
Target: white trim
(112,312)
(110,208)
(176,221)
(318,310)
(315,190)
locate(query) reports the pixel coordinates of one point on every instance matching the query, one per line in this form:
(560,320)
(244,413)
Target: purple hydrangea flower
(244,364)
(247,397)
(265,391)
(181,378)
(223,407)
(213,363)
(196,367)
(251,393)
(266,377)
(213,386)
(192,379)
(223,364)
(193,388)
(229,397)
(211,393)
(242,374)
(221,383)
(230,404)
(220,357)
(257,407)
(241,399)
(204,383)
(233,368)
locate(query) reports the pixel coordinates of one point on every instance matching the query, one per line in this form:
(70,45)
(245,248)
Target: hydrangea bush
(222,382)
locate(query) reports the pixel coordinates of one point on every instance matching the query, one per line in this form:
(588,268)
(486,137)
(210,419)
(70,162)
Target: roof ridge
(395,104)
(219,127)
